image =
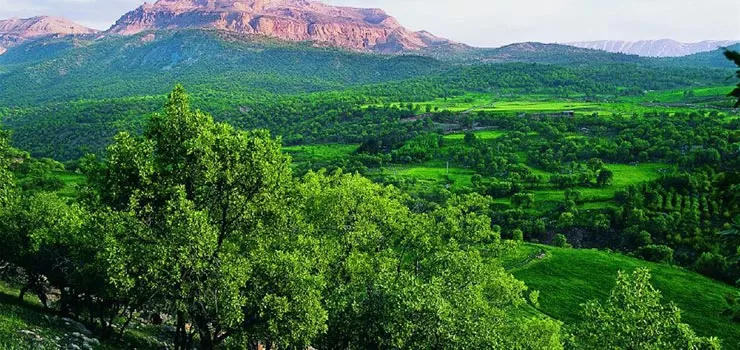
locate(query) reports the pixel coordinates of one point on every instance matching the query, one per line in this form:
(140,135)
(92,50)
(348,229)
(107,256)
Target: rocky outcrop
(14,31)
(653,48)
(293,20)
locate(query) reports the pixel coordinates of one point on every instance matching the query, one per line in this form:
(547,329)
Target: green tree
(400,280)
(633,317)
(7,182)
(560,241)
(213,203)
(605,177)
(734,56)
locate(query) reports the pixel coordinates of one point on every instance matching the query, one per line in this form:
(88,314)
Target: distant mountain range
(14,31)
(654,48)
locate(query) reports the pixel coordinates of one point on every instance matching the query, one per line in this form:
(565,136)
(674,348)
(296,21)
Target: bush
(561,241)
(518,235)
(656,253)
(712,265)
(644,238)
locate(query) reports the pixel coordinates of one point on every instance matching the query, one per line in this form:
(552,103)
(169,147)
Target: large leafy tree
(399,280)
(634,317)
(734,56)
(211,200)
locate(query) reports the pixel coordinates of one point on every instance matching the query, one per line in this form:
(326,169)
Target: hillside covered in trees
(207,224)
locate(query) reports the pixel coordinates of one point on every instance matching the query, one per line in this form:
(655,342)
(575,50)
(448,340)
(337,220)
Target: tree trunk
(126,324)
(180,332)
(206,338)
(23,292)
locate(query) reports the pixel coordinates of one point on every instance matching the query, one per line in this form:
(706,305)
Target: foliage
(205,223)
(580,275)
(633,317)
(734,56)
(656,253)
(560,241)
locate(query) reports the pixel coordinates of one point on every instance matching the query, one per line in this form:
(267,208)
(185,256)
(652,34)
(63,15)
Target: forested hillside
(207,224)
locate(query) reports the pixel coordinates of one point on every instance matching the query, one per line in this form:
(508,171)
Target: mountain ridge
(654,48)
(14,31)
(292,20)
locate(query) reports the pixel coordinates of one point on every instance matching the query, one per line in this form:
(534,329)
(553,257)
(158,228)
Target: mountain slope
(531,52)
(14,31)
(292,20)
(653,48)
(567,278)
(715,59)
(151,63)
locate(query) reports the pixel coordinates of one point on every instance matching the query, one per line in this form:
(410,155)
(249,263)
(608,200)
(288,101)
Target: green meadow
(568,278)
(321,152)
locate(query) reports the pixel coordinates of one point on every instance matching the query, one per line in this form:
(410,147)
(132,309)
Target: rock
(292,20)
(26,332)
(78,327)
(15,31)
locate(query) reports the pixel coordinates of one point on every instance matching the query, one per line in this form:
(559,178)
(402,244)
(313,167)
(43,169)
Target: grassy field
(624,176)
(671,101)
(325,152)
(677,96)
(71,181)
(429,174)
(480,135)
(567,278)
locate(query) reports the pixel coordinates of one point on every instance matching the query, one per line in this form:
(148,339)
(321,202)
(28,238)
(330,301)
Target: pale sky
(487,23)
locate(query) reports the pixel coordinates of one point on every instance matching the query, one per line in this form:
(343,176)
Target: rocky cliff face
(653,48)
(16,30)
(294,20)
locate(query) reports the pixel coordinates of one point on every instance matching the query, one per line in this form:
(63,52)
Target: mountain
(17,30)
(654,48)
(712,59)
(529,52)
(292,20)
(151,63)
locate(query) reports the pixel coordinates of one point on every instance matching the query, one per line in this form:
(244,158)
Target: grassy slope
(16,317)
(567,278)
(666,101)
(53,332)
(320,152)
(71,181)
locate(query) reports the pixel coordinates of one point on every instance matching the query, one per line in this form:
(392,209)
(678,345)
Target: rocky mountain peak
(292,20)
(41,26)
(15,30)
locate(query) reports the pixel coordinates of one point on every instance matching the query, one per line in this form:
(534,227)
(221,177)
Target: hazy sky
(488,22)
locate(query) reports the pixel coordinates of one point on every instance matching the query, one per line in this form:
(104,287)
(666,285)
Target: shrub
(712,265)
(644,238)
(656,253)
(518,235)
(561,241)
